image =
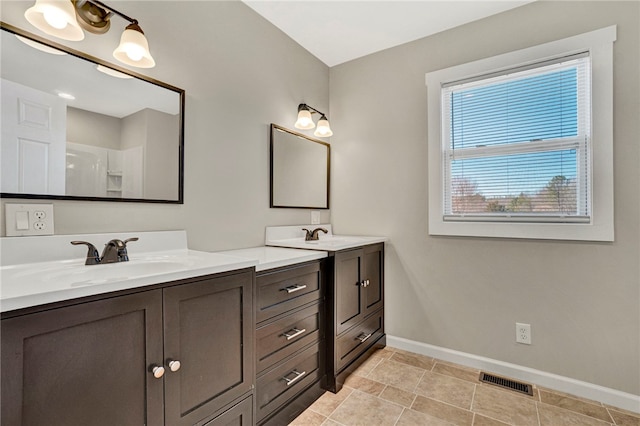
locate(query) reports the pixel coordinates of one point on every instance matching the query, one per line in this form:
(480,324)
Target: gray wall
(90,128)
(161,149)
(240,74)
(582,299)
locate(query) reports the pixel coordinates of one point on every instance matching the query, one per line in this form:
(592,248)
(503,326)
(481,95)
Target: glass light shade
(56,18)
(304,120)
(112,72)
(323,129)
(134,48)
(41,47)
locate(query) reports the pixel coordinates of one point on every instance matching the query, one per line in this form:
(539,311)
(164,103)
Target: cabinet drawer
(355,341)
(279,339)
(285,381)
(282,291)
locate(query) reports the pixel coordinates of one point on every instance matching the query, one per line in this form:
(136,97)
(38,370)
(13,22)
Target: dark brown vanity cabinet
(208,327)
(179,354)
(289,341)
(356,299)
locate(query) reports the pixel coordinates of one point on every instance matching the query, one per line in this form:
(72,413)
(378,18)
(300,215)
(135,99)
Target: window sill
(543,231)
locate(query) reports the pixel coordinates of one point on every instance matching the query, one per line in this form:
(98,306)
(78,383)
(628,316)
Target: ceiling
(339,31)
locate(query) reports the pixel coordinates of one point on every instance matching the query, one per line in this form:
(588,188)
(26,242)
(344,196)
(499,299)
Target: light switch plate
(28,219)
(315,217)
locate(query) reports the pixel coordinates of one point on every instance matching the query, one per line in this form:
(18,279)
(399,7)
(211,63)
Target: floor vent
(506,383)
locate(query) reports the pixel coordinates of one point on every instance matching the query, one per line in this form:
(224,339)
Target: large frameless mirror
(76,127)
(300,170)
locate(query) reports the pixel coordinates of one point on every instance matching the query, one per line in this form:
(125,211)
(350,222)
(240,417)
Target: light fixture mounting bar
(112,10)
(313,110)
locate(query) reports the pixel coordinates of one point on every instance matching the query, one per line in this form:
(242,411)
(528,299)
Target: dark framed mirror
(300,170)
(75,127)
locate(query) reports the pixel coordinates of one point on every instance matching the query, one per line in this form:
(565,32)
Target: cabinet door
(208,327)
(85,364)
(348,289)
(240,414)
(373,276)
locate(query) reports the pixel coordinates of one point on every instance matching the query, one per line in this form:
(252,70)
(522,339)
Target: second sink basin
(326,242)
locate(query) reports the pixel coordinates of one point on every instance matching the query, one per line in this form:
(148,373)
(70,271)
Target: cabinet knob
(174,365)
(158,371)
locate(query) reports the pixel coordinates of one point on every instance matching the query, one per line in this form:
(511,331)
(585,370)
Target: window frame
(600,227)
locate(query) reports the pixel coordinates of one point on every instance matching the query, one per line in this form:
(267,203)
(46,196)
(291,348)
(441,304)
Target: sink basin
(336,241)
(80,274)
(35,283)
(326,242)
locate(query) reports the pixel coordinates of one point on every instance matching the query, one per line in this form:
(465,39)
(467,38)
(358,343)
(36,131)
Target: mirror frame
(275,128)
(84,56)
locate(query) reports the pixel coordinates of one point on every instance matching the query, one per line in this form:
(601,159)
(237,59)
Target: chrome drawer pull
(294,288)
(295,379)
(295,334)
(363,338)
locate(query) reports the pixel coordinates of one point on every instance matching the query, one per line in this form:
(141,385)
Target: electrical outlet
(523,333)
(28,219)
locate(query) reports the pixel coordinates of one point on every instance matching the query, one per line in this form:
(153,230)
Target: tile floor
(399,388)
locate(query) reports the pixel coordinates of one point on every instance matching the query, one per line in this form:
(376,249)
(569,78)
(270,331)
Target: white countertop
(40,270)
(275,257)
(30,284)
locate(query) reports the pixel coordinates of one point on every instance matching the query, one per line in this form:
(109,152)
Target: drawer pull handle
(295,379)
(363,337)
(295,334)
(294,288)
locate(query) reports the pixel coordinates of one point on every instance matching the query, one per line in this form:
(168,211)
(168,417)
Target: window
(516,144)
(513,149)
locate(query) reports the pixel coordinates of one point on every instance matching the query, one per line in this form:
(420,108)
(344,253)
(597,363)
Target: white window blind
(516,144)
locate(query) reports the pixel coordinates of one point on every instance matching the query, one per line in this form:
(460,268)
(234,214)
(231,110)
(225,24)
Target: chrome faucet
(114,251)
(313,235)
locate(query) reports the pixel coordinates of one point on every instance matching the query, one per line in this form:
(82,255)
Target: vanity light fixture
(305,122)
(56,18)
(66,19)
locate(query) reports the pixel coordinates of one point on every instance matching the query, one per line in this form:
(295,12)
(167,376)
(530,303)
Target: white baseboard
(586,390)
